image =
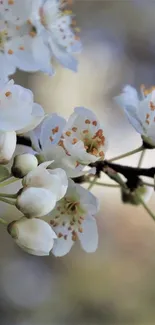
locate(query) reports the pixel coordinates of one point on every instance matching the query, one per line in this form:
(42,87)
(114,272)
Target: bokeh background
(115,285)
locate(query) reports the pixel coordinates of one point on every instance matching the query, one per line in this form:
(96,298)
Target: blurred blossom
(25,284)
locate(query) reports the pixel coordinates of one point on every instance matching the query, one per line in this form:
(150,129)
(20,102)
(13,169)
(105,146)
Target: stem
(8,181)
(92,183)
(3,221)
(105,184)
(12,196)
(7,201)
(141,158)
(127,154)
(146,207)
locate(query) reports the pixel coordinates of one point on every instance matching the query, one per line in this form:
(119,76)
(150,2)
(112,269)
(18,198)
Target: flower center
(146,91)
(93,144)
(70,215)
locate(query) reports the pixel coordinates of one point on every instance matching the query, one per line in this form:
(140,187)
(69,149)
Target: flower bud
(143,191)
(23,164)
(34,236)
(35,202)
(148,142)
(7,146)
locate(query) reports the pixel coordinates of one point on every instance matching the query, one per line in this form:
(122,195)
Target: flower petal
(59,182)
(129,101)
(51,130)
(89,237)
(66,59)
(62,247)
(37,116)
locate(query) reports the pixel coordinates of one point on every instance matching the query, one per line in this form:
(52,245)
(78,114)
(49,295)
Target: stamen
(55,130)
(87,121)
(74,129)
(8,94)
(68,133)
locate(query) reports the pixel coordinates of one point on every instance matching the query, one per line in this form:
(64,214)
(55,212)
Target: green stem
(7,201)
(11,196)
(3,221)
(92,183)
(8,181)
(105,184)
(146,207)
(127,154)
(141,158)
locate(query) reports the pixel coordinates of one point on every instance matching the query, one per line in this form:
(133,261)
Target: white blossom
(41,190)
(34,236)
(73,218)
(57,28)
(23,164)
(140,111)
(18,112)
(48,142)
(32,32)
(84,139)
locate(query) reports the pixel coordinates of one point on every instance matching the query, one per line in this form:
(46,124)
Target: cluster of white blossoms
(34,32)
(55,210)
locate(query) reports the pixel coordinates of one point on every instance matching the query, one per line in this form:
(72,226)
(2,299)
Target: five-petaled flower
(73,218)
(140,112)
(72,145)
(84,139)
(18,114)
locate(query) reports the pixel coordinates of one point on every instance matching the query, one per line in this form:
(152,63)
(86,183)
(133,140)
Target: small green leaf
(4,173)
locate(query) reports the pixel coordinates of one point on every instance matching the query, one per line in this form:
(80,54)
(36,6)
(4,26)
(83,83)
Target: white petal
(66,59)
(23,59)
(47,137)
(42,56)
(87,199)
(16,109)
(7,67)
(89,237)
(129,101)
(36,118)
(16,12)
(36,202)
(62,247)
(59,182)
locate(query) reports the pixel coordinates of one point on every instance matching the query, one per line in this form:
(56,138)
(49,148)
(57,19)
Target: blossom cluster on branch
(56,210)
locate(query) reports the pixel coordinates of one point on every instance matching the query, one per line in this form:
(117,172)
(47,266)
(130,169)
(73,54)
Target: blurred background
(115,285)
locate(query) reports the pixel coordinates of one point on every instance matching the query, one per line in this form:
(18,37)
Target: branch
(128,172)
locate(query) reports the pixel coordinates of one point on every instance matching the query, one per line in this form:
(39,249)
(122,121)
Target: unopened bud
(23,164)
(34,236)
(7,146)
(143,191)
(35,202)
